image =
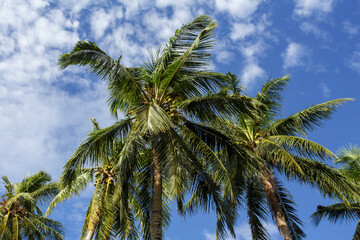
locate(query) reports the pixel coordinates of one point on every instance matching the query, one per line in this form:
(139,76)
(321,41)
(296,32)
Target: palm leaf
(307,119)
(185,39)
(256,210)
(287,207)
(336,212)
(96,147)
(302,147)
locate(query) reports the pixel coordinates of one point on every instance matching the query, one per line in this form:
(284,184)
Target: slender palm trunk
(94,213)
(90,234)
(156,221)
(269,186)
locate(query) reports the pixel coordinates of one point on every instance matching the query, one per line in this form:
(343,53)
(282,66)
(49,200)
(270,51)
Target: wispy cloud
(325,90)
(350,28)
(354,61)
(309,7)
(312,28)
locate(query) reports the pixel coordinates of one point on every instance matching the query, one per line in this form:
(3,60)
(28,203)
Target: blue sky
(44,112)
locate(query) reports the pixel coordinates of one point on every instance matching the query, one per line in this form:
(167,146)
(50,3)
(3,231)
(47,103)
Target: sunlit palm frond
(323,177)
(83,178)
(95,148)
(302,147)
(307,119)
(349,159)
(270,95)
(189,43)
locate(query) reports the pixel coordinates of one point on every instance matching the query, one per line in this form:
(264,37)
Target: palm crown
(276,146)
(20,213)
(162,102)
(349,158)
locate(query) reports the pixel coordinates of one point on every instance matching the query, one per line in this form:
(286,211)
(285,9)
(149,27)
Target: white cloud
(100,21)
(312,28)
(252,51)
(224,56)
(251,72)
(294,55)
(242,30)
(238,8)
(325,90)
(309,7)
(350,28)
(354,62)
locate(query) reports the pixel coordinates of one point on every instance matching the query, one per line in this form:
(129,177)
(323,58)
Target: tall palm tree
(350,160)
(20,214)
(161,101)
(277,146)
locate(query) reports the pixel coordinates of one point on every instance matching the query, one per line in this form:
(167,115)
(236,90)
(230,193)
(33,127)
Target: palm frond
(270,93)
(194,38)
(233,84)
(96,147)
(210,106)
(83,178)
(302,147)
(280,155)
(325,178)
(357,232)
(287,207)
(152,119)
(336,212)
(256,210)
(307,119)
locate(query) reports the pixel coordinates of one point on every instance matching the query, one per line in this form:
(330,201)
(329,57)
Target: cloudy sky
(44,112)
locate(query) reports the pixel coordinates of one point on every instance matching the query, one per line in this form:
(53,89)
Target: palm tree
(277,146)
(350,160)
(20,214)
(161,101)
(100,215)
(102,219)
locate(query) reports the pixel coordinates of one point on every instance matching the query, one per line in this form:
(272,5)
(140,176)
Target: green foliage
(162,101)
(20,215)
(276,146)
(349,158)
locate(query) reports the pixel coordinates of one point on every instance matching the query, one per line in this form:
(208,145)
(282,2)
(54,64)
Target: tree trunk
(90,234)
(269,186)
(156,221)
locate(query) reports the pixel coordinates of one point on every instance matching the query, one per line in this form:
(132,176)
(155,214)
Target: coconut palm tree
(161,101)
(20,213)
(349,158)
(105,218)
(277,146)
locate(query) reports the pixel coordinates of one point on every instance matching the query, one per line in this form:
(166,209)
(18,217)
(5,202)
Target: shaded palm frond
(336,212)
(287,207)
(256,210)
